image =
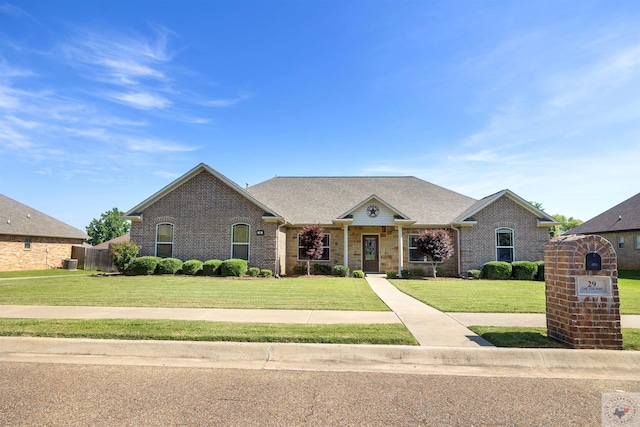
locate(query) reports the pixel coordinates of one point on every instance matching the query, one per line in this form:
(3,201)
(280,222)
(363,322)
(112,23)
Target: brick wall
(478,243)
(629,256)
(581,321)
(14,257)
(203,211)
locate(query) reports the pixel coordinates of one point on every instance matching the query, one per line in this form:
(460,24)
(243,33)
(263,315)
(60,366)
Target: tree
(566,224)
(109,226)
(436,245)
(311,243)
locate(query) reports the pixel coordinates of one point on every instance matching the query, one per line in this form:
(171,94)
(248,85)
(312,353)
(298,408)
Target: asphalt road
(47,394)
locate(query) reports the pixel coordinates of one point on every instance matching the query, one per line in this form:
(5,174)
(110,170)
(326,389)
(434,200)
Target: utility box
(70,264)
(581,287)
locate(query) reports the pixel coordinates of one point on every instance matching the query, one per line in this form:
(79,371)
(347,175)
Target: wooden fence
(93,259)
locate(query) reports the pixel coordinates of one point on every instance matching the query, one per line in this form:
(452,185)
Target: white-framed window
(414,254)
(326,240)
(504,245)
(638,242)
(164,240)
(240,241)
(27,243)
(620,242)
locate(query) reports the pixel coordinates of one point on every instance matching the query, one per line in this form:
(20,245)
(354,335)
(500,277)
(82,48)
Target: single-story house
(107,245)
(620,225)
(370,223)
(31,240)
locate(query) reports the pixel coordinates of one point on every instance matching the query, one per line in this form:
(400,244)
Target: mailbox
(593,261)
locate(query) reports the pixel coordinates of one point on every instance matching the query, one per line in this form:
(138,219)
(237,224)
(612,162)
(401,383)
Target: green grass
(44,273)
(391,334)
(300,293)
(504,296)
(503,336)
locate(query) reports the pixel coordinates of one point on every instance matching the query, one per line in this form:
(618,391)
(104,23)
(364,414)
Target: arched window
(164,240)
(504,244)
(240,242)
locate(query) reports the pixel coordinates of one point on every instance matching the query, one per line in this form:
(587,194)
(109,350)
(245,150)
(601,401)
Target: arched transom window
(504,244)
(240,242)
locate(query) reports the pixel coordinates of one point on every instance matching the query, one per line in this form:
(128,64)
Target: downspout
(458,249)
(278,264)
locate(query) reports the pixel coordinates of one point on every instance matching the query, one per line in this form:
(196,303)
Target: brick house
(369,222)
(31,240)
(620,225)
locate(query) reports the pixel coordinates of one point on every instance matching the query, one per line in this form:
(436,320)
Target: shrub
(540,272)
(211,267)
(418,272)
(392,274)
(123,254)
(192,267)
(441,272)
(322,269)
(406,274)
(265,272)
(524,270)
(299,269)
(341,270)
(169,265)
(474,274)
(496,270)
(359,274)
(144,265)
(234,267)
(253,272)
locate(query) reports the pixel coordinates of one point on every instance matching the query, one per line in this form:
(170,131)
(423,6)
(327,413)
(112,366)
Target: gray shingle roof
(18,219)
(622,217)
(319,200)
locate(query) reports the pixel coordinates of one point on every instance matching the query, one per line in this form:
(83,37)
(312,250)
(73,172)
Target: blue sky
(104,103)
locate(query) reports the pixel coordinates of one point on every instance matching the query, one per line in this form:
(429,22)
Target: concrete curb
(310,356)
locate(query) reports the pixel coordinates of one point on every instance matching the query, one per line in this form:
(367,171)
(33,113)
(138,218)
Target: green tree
(109,226)
(566,224)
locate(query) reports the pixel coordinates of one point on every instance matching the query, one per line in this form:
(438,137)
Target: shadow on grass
(526,338)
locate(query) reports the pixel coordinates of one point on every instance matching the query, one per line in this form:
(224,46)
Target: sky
(103,103)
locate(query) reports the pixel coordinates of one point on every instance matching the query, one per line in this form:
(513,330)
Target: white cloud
(227,102)
(150,145)
(141,100)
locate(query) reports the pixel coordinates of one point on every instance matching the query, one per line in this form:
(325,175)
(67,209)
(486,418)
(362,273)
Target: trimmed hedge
(144,265)
(265,272)
(474,274)
(392,274)
(211,267)
(524,270)
(321,269)
(341,270)
(192,267)
(169,265)
(359,274)
(418,272)
(496,270)
(253,272)
(540,273)
(299,269)
(406,274)
(234,267)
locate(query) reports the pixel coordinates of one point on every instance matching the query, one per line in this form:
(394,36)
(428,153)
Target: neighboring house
(620,225)
(31,240)
(370,223)
(108,243)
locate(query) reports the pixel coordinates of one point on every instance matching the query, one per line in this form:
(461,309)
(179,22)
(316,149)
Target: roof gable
(134,213)
(18,219)
(624,216)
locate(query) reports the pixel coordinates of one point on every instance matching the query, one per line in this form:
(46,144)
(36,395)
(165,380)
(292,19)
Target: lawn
(44,273)
(503,296)
(299,293)
(127,329)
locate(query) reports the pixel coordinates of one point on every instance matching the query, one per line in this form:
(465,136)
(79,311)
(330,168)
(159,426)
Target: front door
(370,254)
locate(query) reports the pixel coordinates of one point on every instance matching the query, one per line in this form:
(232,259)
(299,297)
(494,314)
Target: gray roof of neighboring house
(311,200)
(18,219)
(120,239)
(622,217)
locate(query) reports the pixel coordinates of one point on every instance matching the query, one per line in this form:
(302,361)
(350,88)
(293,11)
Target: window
(164,240)
(240,243)
(504,244)
(637,242)
(620,242)
(325,249)
(27,243)
(414,254)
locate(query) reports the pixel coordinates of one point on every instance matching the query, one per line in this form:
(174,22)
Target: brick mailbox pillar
(583,304)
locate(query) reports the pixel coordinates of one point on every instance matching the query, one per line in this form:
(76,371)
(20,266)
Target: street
(51,394)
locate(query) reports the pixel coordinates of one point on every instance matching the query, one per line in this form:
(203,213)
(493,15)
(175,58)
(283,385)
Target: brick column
(578,316)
